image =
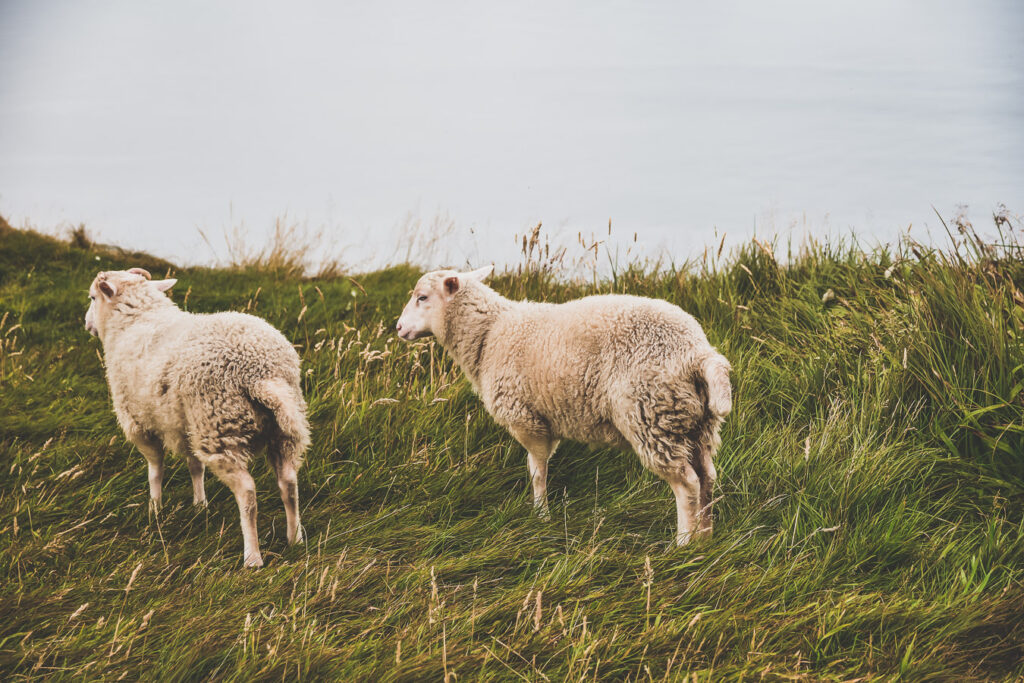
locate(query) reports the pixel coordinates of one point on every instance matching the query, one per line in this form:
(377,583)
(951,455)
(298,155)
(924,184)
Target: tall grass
(871,481)
(292,250)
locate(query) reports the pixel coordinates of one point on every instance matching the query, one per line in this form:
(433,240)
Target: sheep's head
(424,314)
(112,286)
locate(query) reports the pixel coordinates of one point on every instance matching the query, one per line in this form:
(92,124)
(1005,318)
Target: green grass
(871,480)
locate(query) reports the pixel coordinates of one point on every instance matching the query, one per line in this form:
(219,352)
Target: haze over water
(150,123)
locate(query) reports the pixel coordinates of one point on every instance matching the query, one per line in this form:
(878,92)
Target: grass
(871,481)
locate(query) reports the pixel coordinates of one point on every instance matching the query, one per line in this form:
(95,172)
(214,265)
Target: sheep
(610,369)
(214,388)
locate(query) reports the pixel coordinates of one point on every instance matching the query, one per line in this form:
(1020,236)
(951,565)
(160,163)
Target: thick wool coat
(611,369)
(216,386)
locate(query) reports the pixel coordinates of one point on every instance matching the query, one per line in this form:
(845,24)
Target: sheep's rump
(612,369)
(237,378)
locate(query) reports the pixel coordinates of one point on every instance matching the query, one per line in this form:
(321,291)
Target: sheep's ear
(108,289)
(164,285)
(141,271)
(481,274)
(451,285)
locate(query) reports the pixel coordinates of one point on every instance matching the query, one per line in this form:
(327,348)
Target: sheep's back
(233,350)
(616,330)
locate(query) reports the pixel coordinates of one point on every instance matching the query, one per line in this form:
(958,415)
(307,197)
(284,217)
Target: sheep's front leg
(539,448)
(153,452)
(197,470)
(238,479)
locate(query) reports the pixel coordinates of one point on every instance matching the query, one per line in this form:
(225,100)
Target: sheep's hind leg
(196,470)
(659,426)
(232,471)
(284,454)
(686,487)
(707,474)
(671,462)
(539,448)
(287,482)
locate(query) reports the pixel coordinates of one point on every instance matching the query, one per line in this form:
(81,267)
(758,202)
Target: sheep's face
(108,288)
(424,314)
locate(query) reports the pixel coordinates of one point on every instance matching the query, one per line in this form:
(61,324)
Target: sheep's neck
(127,314)
(468,322)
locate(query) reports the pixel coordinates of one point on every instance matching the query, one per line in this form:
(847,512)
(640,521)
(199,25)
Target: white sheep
(214,388)
(610,369)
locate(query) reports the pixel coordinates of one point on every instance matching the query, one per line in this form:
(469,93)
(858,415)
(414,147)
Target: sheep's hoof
(253,561)
(200,503)
(684,537)
(543,513)
(298,537)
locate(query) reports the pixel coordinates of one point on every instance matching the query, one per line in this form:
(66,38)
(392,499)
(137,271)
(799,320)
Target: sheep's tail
(715,369)
(289,410)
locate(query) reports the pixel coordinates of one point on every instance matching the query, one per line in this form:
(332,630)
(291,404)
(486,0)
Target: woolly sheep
(214,388)
(608,369)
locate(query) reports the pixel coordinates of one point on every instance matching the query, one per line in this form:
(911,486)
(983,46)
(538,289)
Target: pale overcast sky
(151,121)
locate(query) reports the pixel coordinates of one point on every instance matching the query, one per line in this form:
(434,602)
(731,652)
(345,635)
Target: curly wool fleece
(214,388)
(608,369)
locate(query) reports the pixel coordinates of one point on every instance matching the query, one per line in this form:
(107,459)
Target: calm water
(151,124)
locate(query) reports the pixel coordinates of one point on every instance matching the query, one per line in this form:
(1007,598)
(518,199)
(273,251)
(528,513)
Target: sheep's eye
(92,297)
(422,297)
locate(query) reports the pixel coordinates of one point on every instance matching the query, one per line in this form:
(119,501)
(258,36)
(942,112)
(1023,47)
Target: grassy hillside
(871,482)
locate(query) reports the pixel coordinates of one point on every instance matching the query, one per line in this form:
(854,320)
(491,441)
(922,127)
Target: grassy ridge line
(871,481)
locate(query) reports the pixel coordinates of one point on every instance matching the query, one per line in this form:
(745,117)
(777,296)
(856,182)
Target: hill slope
(871,482)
